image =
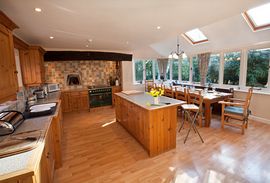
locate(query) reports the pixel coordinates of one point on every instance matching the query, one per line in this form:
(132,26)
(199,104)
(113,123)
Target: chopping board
(19,143)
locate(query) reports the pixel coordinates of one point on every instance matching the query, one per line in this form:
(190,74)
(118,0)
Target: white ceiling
(113,23)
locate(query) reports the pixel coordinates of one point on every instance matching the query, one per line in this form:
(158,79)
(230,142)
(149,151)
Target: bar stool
(192,111)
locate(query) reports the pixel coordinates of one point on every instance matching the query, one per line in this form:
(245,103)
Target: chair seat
(234,110)
(189,107)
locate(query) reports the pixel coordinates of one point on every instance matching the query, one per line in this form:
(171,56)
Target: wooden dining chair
(180,94)
(193,111)
(149,84)
(236,109)
(168,91)
(196,98)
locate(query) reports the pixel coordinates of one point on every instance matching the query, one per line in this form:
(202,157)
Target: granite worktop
(22,161)
(146,101)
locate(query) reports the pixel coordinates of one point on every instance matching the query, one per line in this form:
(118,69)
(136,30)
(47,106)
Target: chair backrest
(195,98)
(248,98)
(158,86)
(168,91)
(181,94)
(149,84)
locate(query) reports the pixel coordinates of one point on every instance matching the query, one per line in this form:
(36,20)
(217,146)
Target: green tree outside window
(196,77)
(168,71)
(258,67)
(175,66)
(149,70)
(213,69)
(232,68)
(185,69)
(139,70)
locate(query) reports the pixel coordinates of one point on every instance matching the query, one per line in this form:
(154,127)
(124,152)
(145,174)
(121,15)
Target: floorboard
(96,149)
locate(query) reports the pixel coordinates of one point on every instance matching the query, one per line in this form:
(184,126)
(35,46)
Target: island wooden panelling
(155,129)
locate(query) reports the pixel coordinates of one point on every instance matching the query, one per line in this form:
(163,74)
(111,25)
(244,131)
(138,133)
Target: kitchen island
(153,126)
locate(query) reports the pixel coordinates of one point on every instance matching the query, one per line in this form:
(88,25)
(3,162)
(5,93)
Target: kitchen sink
(39,110)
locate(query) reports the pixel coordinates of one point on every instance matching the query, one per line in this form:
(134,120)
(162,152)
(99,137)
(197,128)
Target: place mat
(18,143)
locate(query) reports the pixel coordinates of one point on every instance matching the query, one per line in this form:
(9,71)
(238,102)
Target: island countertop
(146,101)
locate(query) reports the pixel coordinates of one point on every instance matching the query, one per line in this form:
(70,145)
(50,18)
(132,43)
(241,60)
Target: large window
(175,66)
(185,69)
(213,69)
(149,70)
(231,68)
(195,70)
(258,67)
(139,70)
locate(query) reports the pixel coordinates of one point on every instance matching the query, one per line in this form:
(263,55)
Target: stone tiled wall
(92,72)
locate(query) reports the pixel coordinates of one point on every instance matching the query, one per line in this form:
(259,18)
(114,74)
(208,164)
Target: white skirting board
(259,119)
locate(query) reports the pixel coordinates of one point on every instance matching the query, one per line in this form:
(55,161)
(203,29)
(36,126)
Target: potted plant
(156,93)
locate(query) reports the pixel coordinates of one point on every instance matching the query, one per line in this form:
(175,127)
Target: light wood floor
(97,149)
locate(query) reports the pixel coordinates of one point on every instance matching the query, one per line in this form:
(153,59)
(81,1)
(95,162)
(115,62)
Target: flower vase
(156,100)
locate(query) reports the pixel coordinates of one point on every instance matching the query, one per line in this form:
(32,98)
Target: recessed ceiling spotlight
(158,27)
(90,40)
(51,37)
(127,42)
(38,9)
(86,46)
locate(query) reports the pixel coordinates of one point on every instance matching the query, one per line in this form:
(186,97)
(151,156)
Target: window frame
(252,23)
(144,70)
(190,40)
(243,69)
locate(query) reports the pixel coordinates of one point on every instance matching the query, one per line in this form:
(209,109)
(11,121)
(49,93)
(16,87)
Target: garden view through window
(258,67)
(156,71)
(213,69)
(185,69)
(231,68)
(149,70)
(168,71)
(195,70)
(175,66)
(138,70)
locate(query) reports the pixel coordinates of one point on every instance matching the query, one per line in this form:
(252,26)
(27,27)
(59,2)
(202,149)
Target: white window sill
(262,92)
(135,83)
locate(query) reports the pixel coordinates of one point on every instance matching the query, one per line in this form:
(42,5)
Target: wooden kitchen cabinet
(32,65)
(8,73)
(115,89)
(75,100)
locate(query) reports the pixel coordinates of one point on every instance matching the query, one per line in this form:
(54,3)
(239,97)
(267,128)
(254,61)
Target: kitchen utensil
(9,121)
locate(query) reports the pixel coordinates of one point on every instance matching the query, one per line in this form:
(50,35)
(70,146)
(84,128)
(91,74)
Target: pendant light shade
(177,53)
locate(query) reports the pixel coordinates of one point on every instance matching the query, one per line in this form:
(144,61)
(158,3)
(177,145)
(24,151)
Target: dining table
(209,98)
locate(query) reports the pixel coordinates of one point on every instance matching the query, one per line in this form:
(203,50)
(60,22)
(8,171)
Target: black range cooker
(100,96)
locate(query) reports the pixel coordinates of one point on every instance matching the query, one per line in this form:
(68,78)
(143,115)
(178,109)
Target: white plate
(49,105)
(40,109)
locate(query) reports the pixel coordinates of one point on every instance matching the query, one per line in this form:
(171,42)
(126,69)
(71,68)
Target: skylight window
(195,36)
(258,18)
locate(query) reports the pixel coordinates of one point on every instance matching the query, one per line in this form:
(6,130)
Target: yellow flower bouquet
(156,92)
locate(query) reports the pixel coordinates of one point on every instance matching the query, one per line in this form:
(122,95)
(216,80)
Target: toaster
(9,121)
